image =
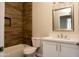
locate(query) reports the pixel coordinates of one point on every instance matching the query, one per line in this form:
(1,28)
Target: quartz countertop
(62,40)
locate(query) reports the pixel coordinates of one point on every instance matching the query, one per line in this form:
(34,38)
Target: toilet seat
(29,50)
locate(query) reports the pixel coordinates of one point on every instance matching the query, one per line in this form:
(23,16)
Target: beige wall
(1,24)
(42,19)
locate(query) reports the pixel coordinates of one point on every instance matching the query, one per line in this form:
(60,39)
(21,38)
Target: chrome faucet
(61,35)
(58,36)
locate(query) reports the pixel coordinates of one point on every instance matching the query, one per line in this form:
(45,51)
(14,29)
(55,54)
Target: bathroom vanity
(60,47)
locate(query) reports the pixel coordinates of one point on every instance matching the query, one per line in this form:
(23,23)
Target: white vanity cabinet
(56,49)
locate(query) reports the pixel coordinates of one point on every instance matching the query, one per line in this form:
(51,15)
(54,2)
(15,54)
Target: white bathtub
(14,51)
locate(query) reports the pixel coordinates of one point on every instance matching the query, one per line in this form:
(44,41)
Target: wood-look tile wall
(14,33)
(20,30)
(27,23)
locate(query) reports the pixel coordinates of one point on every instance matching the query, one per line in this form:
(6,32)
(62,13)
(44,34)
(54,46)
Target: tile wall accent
(14,33)
(27,23)
(20,30)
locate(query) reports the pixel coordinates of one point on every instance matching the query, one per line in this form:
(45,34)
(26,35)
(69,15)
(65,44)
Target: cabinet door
(49,49)
(69,50)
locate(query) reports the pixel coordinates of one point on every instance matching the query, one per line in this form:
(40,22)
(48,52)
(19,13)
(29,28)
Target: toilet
(30,51)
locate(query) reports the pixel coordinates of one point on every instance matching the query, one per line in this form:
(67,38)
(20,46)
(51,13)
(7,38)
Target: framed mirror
(63,19)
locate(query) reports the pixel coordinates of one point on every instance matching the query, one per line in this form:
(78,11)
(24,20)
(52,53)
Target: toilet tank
(36,41)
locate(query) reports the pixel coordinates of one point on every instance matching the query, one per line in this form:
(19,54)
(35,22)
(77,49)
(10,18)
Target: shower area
(18,24)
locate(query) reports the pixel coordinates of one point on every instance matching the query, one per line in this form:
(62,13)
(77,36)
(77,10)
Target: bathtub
(14,51)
